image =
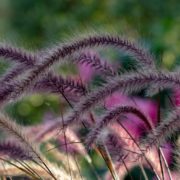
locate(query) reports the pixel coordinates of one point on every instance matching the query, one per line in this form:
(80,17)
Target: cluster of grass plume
(32,72)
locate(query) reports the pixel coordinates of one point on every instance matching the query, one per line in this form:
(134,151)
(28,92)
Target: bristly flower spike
(113,115)
(165,129)
(63,51)
(15,151)
(128,83)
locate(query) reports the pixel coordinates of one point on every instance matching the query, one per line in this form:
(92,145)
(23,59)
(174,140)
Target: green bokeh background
(35,24)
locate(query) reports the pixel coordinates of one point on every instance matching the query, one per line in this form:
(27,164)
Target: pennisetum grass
(63,51)
(15,151)
(93,60)
(113,115)
(132,82)
(13,129)
(118,146)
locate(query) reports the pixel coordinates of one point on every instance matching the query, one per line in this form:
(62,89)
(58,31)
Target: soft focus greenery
(41,23)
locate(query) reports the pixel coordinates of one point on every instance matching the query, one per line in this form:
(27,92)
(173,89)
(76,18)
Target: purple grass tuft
(53,56)
(14,151)
(113,115)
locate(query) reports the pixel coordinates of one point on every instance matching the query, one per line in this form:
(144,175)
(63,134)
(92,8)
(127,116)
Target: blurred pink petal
(134,125)
(167,150)
(175,175)
(86,72)
(149,107)
(115,100)
(176,97)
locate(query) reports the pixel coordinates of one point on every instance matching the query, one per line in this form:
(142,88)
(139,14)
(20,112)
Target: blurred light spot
(24,109)
(36,100)
(53,98)
(168,59)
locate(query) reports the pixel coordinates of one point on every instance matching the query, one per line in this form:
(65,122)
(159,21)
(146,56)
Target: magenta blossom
(134,124)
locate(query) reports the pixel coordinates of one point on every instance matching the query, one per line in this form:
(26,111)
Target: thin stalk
(64,134)
(127,169)
(105,155)
(160,162)
(139,149)
(29,168)
(160,152)
(77,166)
(166,164)
(143,171)
(107,159)
(23,170)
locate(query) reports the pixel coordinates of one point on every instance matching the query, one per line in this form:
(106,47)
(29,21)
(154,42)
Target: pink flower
(86,72)
(176,97)
(134,124)
(167,150)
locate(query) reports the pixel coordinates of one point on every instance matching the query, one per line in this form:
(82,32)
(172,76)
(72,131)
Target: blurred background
(35,24)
